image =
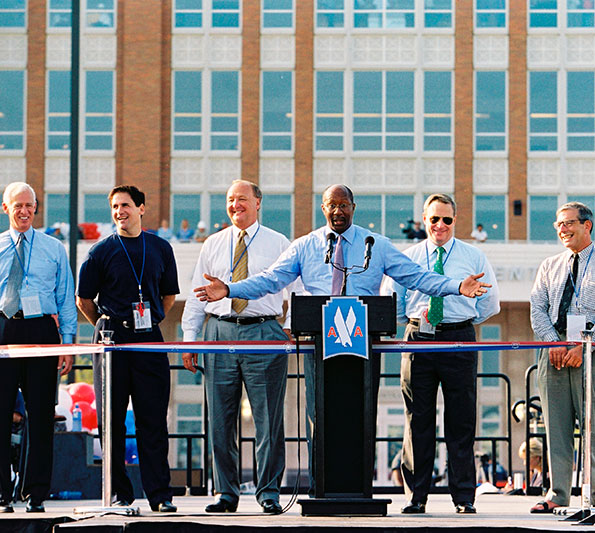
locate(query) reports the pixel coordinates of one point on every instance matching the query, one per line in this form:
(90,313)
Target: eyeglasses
(447,220)
(566,223)
(332,207)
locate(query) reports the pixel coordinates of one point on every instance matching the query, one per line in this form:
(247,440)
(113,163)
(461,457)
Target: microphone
(330,239)
(368,253)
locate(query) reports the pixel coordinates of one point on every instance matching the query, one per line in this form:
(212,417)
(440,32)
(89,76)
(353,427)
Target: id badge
(30,303)
(141,312)
(574,325)
(425,328)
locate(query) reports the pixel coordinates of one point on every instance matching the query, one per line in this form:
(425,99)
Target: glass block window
(12,110)
(97,209)
(438,13)
(188,13)
(543,13)
(490,13)
(185,206)
(225,13)
(490,212)
(330,13)
(542,212)
(543,111)
(277,111)
(580,116)
(276,212)
(58,106)
(59,13)
(490,360)
(277,13)
(437,111)
(329,120)
(384,14)
(225,105)
(99,110)
(187,108)
(218,206)
(57,208)
(398,211)
(490,111)
(13,14)
(580,13)
(100,13)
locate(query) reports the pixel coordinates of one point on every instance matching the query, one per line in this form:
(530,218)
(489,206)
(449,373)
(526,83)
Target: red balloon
(81,392)
(89,416)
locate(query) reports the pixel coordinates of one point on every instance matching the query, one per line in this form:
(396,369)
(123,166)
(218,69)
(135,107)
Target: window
(277,114)
(12,14)
(330,13)
(99,110)
(188,13)
(59,13)
(580,13)
(398,210)
(58,127)
(277,13)
(189,420)
(369,212)
(97,209)
(543,13)
(185,206)
(226,14)
(383,111)
(438,13)
(490,420)
(384,14)
(100,14)
(276,213)
(589,201)
(224,110)
(12,109)
(580,117)
(543,111)
(490,212)
(219,218)
(187,120)
(490,13)
(490,360)
(329,111)
(542,212)
(57,208)
(490,111)
(437,111)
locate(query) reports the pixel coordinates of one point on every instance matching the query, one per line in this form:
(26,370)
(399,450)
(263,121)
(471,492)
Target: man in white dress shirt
(237,252)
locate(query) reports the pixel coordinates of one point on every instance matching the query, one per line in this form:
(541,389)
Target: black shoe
(122,503)
(271,507)
(221,506)
(6,507)
(164,507)
(414,508)
(465,508)
(34,506)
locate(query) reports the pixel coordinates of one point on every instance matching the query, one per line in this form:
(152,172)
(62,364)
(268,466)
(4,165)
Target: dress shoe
(465,508)
(414,508)
(271,507)
(34,506)
(122,503)
(164,507)
(221,506)
(6,507)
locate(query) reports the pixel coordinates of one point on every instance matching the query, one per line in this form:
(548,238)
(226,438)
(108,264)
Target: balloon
(65,412)
(89,416)
(64,399)
(81,392)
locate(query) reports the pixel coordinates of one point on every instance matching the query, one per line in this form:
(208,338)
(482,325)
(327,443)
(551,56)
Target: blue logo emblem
(345,327)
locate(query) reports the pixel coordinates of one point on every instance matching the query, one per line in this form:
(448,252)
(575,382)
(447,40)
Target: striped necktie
(436,308)
(240,271)
(12,298)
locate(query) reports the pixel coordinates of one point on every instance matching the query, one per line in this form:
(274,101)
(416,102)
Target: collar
(250,231)
(447,246)
(583,254)
(348,235)
(15,234)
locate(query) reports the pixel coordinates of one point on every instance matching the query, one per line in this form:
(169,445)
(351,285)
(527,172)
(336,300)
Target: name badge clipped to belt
(425,328)
(574,325)
(30,303)
(141,312)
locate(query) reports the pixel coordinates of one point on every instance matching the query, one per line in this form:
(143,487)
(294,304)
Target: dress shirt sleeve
(64,295)
(194,313)
(487,304)
(540,306)
(401,293)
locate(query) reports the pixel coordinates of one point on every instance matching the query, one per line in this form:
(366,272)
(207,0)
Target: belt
(245,320)
(19,316)
(126,323)
(446,326)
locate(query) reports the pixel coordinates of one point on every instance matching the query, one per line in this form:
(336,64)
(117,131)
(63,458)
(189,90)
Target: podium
(346,392)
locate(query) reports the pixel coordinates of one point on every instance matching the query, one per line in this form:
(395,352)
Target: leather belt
(17,316)
(245,320)
(446,326)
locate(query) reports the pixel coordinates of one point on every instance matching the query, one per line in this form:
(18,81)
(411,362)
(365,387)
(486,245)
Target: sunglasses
(447,220)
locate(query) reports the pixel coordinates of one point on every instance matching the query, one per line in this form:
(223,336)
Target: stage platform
(496,513)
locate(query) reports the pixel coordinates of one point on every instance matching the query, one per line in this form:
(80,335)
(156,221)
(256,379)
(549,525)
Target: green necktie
(436,309)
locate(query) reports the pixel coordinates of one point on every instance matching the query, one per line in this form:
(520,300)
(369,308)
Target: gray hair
(443,199)
(15,188)
(584,213)
(255,188)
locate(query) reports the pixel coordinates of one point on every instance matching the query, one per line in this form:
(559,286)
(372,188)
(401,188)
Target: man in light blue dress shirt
(36,307)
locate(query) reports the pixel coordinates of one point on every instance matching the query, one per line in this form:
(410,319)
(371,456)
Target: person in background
(416,233)
(165,231)
(200,235)
(479,234)
(185,233)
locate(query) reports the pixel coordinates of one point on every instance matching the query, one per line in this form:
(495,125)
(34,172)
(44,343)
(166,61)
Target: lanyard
(26,272)
(577,288)
(445,259)
(138,280)
(233,266)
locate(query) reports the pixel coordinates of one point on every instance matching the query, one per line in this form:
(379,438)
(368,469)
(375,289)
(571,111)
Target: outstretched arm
(471,287)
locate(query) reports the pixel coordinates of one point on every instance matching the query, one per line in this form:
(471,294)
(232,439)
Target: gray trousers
(265,379)
(561,393)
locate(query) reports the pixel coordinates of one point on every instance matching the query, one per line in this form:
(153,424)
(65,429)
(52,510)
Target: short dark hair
(138,196)
(347,190)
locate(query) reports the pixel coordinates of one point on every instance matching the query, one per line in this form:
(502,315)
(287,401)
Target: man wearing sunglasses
(442,320)
(562,305)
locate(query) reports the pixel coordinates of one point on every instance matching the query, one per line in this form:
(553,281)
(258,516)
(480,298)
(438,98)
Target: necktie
(12,299)
(240,271)
(567,295)
(338,274)
(436,308)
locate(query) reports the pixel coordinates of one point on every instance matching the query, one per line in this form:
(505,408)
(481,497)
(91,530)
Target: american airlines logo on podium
(345,327)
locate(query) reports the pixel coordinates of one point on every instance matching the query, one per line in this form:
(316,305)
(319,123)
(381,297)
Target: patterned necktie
(436,309)
(12,299)
(567,295)
(240,271)
(338,274)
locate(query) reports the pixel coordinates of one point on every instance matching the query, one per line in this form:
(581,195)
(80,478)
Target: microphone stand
(347,271)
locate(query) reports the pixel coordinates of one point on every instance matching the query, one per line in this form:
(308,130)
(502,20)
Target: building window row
(200,13)
(558,13)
